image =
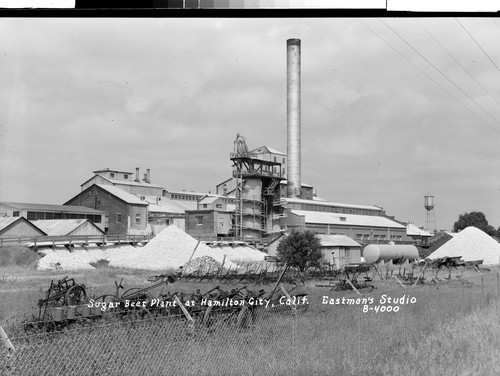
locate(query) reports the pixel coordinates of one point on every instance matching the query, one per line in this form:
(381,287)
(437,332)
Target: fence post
(498,285)
(482,290)
(463,300)
(6,340)
(294,340)
(359,334)
(404,325)
(437,304)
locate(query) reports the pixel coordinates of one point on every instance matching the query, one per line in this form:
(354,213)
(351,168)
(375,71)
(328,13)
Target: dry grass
(467,345)
(441,334)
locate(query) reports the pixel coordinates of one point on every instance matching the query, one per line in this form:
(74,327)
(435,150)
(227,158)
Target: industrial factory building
(271,199)
(34,212)
(125,180)
(12,227)
(263,199)
(338,250)
(68,227)
(125,213)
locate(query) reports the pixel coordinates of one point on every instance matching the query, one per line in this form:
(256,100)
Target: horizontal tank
(378,252)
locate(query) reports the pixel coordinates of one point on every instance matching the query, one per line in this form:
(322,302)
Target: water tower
(431,218)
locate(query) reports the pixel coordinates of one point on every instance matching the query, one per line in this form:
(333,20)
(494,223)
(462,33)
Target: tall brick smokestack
(293,118)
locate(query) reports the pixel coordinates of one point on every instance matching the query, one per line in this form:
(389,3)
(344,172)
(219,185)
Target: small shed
(340,250)
(68,227)
(11,227)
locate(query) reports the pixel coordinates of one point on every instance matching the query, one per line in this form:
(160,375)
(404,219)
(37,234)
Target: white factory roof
(6,222)
(265,149)
(164,205)
(349,219)
(61,227)
(329,203)
(285,182)
(337,241)
(413,230)
(107,169)
(121,194)
(124,182)
(51,208)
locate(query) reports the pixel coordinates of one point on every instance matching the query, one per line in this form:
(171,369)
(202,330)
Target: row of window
(33,216)
(119,218)
(217,206)
(112,175)
(184,197)
(332,209)
(378,237)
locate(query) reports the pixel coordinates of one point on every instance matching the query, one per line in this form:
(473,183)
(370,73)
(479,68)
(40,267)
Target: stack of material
(168,250)
(241,253)
(472,244)
(202,265)
(61,258)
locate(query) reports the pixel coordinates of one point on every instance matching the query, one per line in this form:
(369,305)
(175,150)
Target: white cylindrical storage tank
(385,252)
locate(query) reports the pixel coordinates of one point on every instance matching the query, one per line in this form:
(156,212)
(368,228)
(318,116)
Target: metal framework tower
(431,218)
(257,180)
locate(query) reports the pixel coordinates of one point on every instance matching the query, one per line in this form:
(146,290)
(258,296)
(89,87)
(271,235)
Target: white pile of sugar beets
(168,250)
(472,244)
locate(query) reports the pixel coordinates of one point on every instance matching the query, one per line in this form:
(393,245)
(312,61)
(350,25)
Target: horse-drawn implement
(66,304)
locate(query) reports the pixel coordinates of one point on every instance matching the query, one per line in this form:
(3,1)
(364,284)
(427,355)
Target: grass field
(438,330)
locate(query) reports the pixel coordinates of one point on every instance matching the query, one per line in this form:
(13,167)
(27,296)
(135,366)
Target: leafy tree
(476,219)
(301,249)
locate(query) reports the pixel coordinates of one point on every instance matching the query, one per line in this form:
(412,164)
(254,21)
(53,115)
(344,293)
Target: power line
(458,62)
(475,41)
(430,78)
(437,69)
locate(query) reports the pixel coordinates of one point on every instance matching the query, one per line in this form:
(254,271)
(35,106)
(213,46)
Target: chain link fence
(332,333)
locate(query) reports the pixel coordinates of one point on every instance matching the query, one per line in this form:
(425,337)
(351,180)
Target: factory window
(343,219)
(15,213)
(137,219)
(205,206)
(57,215)
(199,219)
(218,206)
(118,217)
(49,215)
(112,174)
(283,160)
(276,159)
(125,177)
(31,216)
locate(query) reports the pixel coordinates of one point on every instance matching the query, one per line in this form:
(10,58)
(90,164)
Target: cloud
(171,94)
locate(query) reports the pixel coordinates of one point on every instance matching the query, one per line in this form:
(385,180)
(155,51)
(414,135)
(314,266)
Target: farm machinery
(66,304)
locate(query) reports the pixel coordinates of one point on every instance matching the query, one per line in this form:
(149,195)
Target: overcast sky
(380,124)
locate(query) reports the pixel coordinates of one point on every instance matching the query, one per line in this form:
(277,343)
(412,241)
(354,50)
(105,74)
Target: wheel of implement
(75,295)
